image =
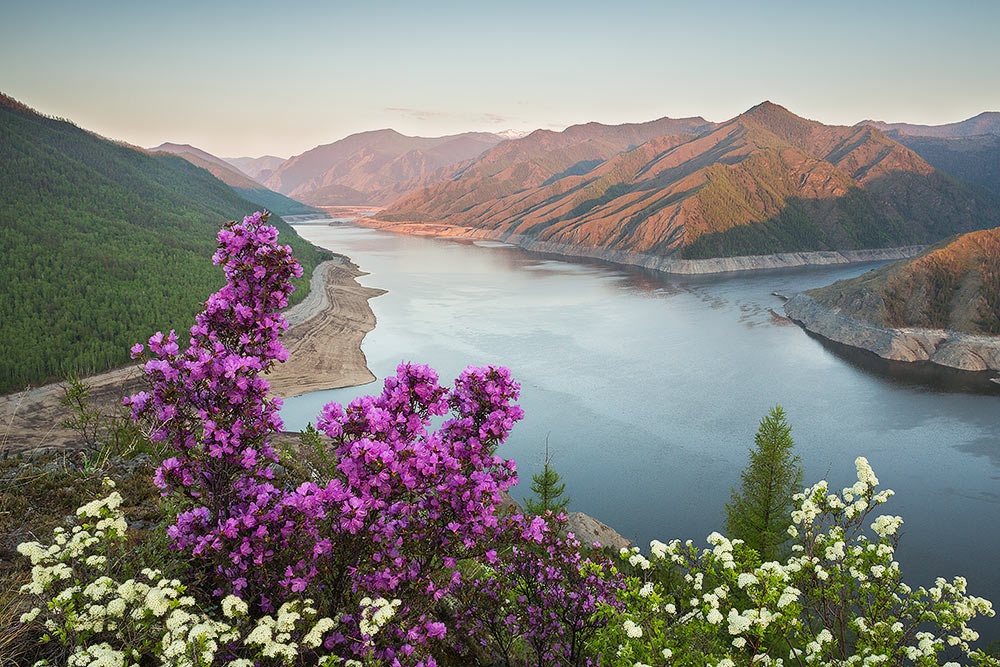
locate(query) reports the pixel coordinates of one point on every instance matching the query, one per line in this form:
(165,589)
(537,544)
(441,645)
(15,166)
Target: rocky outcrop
(953,349)
(589,531)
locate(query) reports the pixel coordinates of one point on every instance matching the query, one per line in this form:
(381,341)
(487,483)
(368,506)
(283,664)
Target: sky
(257,78)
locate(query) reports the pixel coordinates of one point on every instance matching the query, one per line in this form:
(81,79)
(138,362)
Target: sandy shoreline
(324,342)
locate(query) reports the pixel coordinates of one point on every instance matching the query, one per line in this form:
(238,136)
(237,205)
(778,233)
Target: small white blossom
(639,560)
(885,525)
(865,473)
(658,549)
(233,606)
(739,623)
(30,616)
(788,596)
(315,636)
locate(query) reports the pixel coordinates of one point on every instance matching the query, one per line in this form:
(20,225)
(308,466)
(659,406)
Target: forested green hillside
(102,245)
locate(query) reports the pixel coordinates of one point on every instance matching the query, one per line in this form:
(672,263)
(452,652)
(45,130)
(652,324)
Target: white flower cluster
(632,629)
(98,655)
(635,558)
(885,526)
(375,614)
(81,604)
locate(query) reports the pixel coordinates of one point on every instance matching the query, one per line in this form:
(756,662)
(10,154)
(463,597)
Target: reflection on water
(917,374)
(650,388)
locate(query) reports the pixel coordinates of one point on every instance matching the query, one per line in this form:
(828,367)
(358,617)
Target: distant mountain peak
(373,167)
(513,134)
(767,107)
(182,149)
(770,114)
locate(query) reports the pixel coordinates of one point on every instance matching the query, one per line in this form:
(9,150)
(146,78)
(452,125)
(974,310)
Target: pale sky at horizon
(253,78)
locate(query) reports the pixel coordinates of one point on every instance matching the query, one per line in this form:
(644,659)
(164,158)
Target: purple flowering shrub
(209,403)
(539,600)
(403,502)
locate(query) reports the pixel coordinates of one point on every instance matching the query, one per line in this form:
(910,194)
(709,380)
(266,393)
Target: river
(649,389)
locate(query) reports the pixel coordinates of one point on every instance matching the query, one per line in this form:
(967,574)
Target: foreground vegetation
(380,539)
(90,230)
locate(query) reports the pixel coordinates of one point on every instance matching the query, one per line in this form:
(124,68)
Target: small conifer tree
(548,489)
(759,514)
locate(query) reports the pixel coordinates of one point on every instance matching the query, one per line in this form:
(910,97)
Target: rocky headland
(953,349)
(941,307)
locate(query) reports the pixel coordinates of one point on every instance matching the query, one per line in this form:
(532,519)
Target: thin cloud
(427,114)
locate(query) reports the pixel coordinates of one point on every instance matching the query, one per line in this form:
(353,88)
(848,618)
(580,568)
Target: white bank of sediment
(953,349)
(721,264)
(666,264)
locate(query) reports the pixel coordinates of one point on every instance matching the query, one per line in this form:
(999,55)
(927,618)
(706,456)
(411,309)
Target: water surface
(650,388)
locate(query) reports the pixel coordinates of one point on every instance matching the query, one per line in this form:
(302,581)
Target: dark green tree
(759,514)
(548,489)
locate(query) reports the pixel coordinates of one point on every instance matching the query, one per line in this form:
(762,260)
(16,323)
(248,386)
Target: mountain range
(987,122)
(372,168)
(764,182)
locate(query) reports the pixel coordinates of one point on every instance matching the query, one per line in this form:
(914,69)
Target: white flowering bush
(102,621)
(839,599)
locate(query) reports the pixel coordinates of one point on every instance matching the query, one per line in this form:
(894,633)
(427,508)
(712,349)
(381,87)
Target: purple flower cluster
(210,400)
(402,504)
(540,596)
(400,485)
